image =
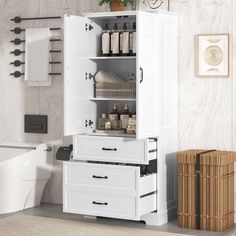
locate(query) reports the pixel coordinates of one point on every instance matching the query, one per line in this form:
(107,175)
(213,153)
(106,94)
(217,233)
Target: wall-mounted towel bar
(18,63)
(18,19)
(18,52)
(18,30)
(18,74)
(18,41)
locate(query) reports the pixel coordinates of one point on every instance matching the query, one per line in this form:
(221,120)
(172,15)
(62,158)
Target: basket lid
(210,158)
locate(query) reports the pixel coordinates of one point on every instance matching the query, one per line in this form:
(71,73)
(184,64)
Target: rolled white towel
(103,76)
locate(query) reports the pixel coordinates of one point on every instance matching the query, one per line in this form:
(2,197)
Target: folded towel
(37,46)
(103,76)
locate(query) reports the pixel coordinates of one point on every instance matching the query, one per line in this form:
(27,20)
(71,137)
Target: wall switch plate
(37,124)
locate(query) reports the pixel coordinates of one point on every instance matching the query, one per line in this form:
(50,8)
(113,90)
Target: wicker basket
(206,189)
(115,90)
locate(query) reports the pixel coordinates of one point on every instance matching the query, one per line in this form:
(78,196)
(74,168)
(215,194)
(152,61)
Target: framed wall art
(212,55)
(152,5)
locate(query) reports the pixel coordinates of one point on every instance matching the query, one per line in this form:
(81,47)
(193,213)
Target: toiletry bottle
(132,38)
(114,115)
(131,129)
(116,124)
(115,41)
(124,41)
(124,117)
(106,41)
(108,125)
(102,121)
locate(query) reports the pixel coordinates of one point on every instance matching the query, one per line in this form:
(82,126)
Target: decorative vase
(117,6)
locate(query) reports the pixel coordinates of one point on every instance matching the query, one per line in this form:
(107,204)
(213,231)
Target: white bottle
(115,41)
(124,117)
(124,41)
(106,41)
(132,38)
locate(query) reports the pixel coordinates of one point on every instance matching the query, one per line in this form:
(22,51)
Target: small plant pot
(117,6)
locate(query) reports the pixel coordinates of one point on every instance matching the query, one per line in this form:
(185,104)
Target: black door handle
(100,203)
(141,75)
(109,149)
(100,177)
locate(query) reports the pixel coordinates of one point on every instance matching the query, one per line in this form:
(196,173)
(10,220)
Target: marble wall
(16,98)
(206,106)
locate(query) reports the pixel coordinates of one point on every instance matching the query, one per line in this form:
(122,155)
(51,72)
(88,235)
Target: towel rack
(18,30)
(18,19)
(18,41)
(18,63)
(18,74)
(18,52)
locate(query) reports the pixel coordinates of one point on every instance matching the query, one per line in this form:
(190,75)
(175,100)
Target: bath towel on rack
(37,56)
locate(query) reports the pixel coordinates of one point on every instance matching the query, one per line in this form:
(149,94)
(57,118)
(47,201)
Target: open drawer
(108,190)
(114,149)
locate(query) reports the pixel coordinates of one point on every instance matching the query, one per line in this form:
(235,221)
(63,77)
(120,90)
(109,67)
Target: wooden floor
(55,212)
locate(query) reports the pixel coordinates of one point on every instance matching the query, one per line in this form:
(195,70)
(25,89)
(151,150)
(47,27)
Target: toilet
(24,171)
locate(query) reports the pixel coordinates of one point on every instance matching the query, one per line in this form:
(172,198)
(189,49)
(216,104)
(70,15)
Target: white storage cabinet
(104,179)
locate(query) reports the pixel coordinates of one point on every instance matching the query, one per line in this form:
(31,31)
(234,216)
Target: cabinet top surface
(113,14)
(122,13)
(109,14)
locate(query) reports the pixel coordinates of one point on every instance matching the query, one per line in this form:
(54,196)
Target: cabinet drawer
(101,176)
(108,190)
(124,150)
(125,180)
(107,205)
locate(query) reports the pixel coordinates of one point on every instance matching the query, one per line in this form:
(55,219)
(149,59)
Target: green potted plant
(117,5)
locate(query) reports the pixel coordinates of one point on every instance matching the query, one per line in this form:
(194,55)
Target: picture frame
(212,55)
(152,5)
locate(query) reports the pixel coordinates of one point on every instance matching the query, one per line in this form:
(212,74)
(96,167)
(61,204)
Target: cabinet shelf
(112,99)
(114,58)
(112,135)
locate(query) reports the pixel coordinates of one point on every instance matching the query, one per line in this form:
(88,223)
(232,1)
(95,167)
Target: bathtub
(24,171)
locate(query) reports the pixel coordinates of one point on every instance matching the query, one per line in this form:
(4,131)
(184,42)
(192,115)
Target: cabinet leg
(160,218)
(90,217)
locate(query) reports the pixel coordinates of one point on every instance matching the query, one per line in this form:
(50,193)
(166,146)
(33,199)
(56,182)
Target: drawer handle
(109,149)
(100,177)
(152,151)
(100,203)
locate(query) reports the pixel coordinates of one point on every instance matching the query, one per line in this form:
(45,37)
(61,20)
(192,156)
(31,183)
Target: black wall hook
(17,63)
(17,52)
(17,41)
(17,74)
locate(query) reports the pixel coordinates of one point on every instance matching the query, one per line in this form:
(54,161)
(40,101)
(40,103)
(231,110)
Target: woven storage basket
(115,90)
(206,189)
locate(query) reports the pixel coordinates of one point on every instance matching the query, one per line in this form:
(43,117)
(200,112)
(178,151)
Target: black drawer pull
(100,203)
(100,177)
(152,151)
(109,149)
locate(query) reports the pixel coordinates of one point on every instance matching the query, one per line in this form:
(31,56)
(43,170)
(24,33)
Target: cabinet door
(80,43)
(148,75)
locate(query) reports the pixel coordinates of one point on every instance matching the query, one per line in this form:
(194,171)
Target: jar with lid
(102,121)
